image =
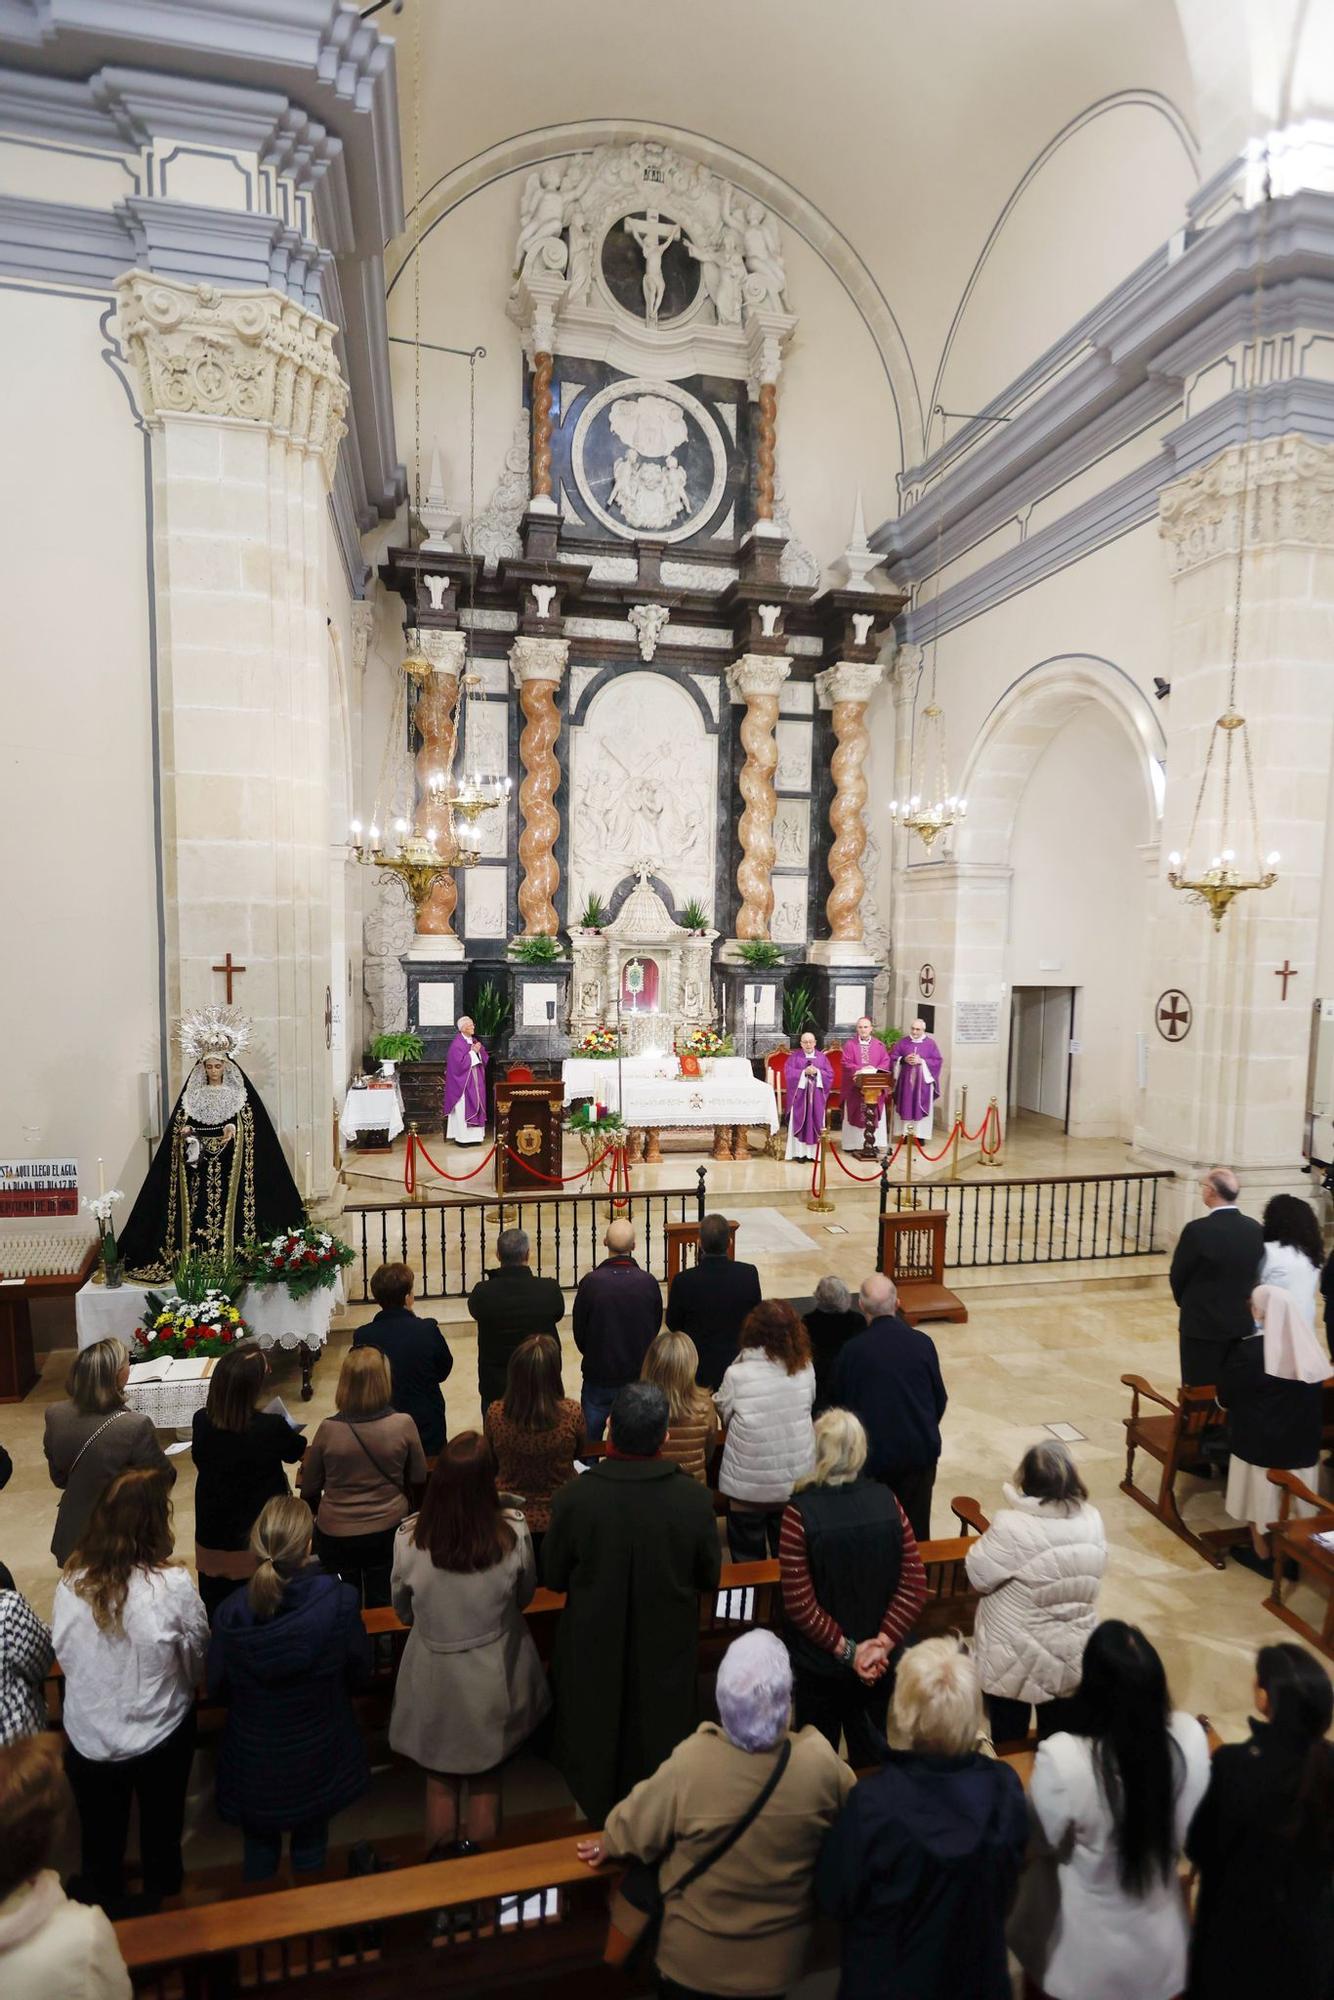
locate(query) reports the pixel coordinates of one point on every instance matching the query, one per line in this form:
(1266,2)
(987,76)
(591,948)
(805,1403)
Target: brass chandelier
(1228,875)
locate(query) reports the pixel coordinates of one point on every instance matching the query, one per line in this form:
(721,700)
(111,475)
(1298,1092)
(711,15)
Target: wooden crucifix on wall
(1285,972)
(229,971)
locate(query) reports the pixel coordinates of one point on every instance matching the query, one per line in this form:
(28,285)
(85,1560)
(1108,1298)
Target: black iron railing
(1043,1219)
(451,1244)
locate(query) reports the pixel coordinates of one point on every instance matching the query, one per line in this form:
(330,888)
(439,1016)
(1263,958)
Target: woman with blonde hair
(920,1866)
(853,1585)
(692,1425)
(362,1473)
(92,1436)
(287,1654)
(130,1633)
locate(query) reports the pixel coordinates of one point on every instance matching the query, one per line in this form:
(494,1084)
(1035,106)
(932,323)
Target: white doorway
(1042,1021)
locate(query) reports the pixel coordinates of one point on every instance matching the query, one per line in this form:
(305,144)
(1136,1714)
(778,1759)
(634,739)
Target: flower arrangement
(602,1043)
(191,1327)
(305,1260)
(595,1118)
(100,1210)
(705,1042)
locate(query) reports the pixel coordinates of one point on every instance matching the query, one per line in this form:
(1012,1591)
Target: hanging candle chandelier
(462,789)
(931,808)
(1230,871)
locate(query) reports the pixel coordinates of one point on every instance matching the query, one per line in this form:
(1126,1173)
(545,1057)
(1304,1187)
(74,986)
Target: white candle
(308,1182)
(101,1184)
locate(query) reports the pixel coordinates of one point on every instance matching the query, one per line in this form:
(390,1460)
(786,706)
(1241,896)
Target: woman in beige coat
(742,1926)
(471,1686)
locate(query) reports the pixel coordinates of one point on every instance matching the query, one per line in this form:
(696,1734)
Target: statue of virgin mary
(219,1177)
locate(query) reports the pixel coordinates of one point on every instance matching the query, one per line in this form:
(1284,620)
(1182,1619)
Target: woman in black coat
(1271,1386)
(1263,1842)
(287,1653)
(832,1321)
(241,1454)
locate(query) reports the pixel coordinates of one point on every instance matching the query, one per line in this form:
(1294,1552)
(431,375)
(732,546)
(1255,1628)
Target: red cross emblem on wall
(1172,1015)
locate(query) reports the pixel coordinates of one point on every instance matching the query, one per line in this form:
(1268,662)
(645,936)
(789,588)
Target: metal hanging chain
(417,260)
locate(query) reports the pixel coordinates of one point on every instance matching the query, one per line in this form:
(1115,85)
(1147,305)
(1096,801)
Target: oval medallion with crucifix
(926,981)
(1172,1015)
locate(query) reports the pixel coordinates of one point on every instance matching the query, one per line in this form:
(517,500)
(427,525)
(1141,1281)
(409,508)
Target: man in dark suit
(709,1300)
(889,1376)
(1215,1268)
(617,1313)
(416,1350)
(509,1304)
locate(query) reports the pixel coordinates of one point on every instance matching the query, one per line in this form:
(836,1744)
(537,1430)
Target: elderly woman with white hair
(853,1587)
(830,1323)
(921,1865)
(734,1818)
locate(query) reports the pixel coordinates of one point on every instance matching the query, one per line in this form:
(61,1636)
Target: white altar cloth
(275,1319)
(169,1406)
(585,1076)
(371,1111)
(705,1100)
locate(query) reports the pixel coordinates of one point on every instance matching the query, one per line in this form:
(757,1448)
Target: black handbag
(635,1927)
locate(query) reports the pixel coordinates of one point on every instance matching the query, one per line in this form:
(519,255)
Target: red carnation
(226,1334)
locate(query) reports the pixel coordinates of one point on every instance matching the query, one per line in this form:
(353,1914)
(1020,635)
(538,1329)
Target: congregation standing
(823,1434)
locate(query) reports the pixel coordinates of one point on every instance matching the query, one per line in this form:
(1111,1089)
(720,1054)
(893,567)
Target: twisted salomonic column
(537,665)
(846,688)
(434,720)
(755,679)
(542,426)
(768,334)
(765,452)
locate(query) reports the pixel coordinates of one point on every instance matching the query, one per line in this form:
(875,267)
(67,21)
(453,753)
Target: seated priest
(916,1059)
(219,1177)
(465,1086)
(808,1078)
(863,1051)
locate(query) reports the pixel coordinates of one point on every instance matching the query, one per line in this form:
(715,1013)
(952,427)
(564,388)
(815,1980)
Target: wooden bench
(1175,1442)
(1294,1540)
(912,1256)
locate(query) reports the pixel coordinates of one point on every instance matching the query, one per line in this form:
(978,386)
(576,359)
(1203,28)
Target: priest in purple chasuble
(916,1059)
(808,1078)
(465,1087)
(863,1050)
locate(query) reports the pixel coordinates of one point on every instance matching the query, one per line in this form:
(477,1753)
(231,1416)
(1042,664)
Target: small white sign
(976,1021)
(535,998)
(1076,1048)
(849,1005)
(435,1005)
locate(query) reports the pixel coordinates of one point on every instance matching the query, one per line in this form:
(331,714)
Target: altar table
(275,1320)
(366,1110)
(585,1076)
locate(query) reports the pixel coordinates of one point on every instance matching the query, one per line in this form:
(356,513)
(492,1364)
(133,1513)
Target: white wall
(79,1012)
(1077,908)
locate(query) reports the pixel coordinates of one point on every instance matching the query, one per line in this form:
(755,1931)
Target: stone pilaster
(756,679)
(243,399)
(446,653)
(845,689)
(537,665)
(1233,1090)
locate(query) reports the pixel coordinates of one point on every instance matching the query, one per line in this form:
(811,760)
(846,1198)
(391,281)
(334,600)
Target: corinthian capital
(446,651)
(848,680)
(1288,483)
(249,352)
(757,674)
(537,659)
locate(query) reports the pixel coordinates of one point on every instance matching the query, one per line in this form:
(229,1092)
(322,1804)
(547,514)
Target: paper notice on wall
(976,1021)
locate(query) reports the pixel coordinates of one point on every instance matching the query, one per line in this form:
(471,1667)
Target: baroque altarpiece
(681,704)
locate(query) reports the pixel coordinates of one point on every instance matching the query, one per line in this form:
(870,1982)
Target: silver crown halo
(213,1031)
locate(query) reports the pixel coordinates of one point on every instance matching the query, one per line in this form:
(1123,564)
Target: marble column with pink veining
(845,689)
(756,679)
(537,665)
(434,721)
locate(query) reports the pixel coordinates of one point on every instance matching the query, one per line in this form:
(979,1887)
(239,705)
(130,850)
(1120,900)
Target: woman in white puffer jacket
(1038,1569)
(765,1400)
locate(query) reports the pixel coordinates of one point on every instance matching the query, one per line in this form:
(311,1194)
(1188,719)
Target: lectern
(874,1084)
(529,1126)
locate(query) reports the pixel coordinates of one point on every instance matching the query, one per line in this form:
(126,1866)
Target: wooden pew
(1175,1441)
(1294,1540)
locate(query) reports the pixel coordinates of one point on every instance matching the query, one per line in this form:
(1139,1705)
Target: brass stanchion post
(990,1157)
(414,1149)
(818,1202)
(954,1156)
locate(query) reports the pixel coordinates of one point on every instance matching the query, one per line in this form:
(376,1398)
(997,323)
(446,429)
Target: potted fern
(399,1046)
(760,954)
(534,950)
(694,917)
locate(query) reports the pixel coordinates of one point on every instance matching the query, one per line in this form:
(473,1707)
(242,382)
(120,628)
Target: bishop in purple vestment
(916,1060)
(862,1051)
(465,1087)
(808,1078)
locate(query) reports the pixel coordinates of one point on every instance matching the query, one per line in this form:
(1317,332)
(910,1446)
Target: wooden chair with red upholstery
(519,1073)
(834,1108)
(774,1064)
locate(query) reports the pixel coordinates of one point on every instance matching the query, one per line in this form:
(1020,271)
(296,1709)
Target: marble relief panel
(484,902)
(643,782)
(794,756)
(788,923)
(792,833)
(488,750)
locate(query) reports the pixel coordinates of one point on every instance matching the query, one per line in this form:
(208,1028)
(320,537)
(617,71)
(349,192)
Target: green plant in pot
(760,954)
(594,914)
(798,1008)
(694,917)
(399,1046)
(491,1011)
(534,950)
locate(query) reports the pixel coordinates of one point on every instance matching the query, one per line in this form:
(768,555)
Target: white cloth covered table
(585,1076)
(275,1319)
(371,1111)
(705,1100)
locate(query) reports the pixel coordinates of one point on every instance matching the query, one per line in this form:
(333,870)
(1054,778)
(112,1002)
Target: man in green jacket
(632,1543)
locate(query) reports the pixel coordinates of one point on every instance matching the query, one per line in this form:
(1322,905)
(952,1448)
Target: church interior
(722,613)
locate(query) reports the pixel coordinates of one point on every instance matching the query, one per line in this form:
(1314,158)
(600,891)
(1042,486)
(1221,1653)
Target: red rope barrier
(837,1152)
(559,1180)
(969,1137)
(415,1146)
(932,1159)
